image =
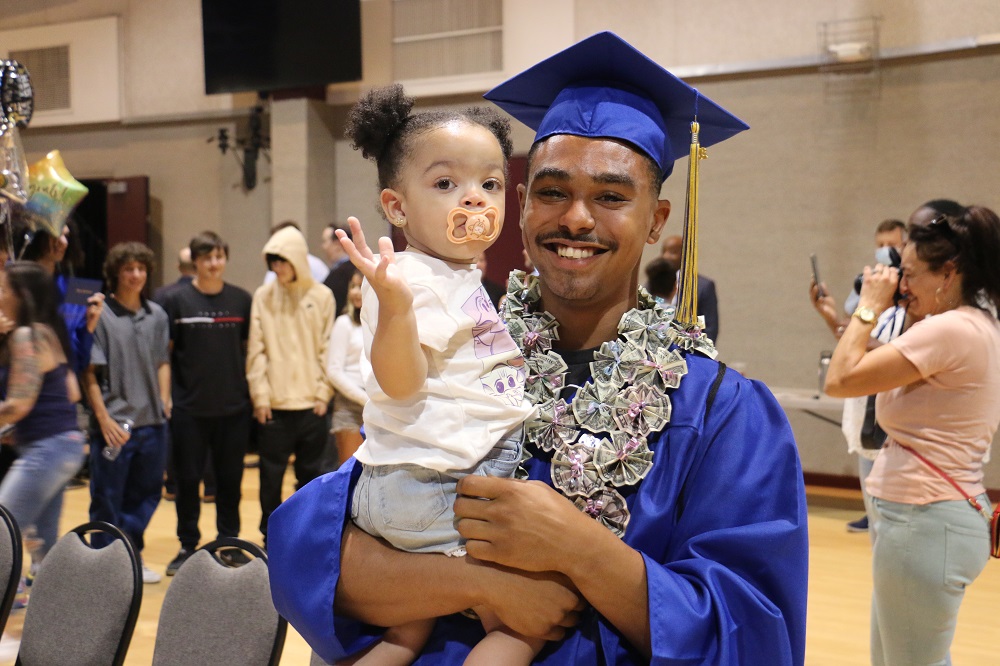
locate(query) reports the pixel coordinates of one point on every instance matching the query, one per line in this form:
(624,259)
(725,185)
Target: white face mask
(883,255)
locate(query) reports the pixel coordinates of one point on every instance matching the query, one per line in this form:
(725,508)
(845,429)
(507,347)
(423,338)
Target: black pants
(193,438)
(209,475)
(300,432)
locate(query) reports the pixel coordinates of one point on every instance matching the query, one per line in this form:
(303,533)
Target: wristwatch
(866,315)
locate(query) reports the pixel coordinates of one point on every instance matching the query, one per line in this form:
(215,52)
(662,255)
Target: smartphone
(815,265)
(78,290)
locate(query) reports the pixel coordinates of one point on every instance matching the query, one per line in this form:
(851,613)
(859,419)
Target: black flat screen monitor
(266,45)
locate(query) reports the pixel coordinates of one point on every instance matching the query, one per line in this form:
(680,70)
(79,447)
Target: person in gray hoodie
(290,323)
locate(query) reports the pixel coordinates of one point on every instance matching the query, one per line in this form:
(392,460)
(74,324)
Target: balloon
(6,231)
(16,95)
(53,193)
(13,167)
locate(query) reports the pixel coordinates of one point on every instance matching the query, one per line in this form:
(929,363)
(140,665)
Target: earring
(399,222)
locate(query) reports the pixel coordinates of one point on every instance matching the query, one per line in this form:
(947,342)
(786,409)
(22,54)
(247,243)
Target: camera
(887,256)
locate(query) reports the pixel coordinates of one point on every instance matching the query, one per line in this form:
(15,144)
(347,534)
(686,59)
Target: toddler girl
(446,381)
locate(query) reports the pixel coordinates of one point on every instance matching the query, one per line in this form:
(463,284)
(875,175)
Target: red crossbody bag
(993,521)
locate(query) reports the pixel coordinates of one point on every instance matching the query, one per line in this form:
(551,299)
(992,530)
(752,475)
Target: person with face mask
(890,235)
(858,422)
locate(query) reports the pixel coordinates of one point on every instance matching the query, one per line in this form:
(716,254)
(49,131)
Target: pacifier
(481,225)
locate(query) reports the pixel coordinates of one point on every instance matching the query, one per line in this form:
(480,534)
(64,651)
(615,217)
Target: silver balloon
(6,231)
(13,166)
(17,100)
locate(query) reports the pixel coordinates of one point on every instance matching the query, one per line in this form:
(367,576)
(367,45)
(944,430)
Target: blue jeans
(33,488)
(923,558)
(126,491)
(413,507)
(864,469)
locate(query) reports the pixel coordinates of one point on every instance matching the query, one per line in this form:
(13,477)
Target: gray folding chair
(10,563)
(215,612)
(84,602)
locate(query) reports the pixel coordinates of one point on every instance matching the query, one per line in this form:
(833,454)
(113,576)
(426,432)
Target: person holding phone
(859,413)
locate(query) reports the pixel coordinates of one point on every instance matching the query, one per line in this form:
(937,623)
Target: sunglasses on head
(942,225)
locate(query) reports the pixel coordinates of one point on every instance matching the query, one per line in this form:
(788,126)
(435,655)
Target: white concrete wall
(819,169)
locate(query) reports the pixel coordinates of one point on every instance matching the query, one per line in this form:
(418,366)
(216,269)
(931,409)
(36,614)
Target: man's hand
(541,605)
(95,304)
(521,524)
(319,409)
(387,587)
(826,307)
(113,433)
(528,525)
(824,304)
(262,414)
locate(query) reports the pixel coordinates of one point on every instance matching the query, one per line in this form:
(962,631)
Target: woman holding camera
(939,403)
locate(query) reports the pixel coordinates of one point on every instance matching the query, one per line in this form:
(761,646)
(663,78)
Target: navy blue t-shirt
(208,361)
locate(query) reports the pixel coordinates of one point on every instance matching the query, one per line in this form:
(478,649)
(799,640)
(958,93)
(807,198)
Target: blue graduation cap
(603,87)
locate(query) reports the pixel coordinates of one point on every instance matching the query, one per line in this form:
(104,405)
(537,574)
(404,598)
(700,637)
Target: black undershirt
(578,364)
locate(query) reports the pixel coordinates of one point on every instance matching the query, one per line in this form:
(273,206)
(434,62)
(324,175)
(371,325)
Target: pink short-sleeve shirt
(949,417)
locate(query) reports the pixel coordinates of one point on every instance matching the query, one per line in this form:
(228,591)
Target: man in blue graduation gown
(665,518)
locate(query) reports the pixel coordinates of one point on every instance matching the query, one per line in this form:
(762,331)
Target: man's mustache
(588,238)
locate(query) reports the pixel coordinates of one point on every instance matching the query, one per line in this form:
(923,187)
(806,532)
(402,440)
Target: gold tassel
(687,294)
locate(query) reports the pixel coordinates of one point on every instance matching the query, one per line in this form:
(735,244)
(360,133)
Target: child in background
(445,380)
(343,367)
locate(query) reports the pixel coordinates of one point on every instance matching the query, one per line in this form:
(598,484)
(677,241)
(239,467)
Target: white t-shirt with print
(474,391)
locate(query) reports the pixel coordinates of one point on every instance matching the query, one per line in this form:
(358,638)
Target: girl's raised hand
(357,249)
(381,272)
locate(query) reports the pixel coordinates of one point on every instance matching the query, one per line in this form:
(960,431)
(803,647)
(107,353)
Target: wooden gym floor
(839,583)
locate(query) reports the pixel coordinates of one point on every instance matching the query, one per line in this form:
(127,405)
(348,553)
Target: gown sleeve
(729,587)
(81,340)
(720,522)
(304,536)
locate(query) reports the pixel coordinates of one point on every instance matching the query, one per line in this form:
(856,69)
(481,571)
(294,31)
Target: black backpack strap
(709,401)
(715,388)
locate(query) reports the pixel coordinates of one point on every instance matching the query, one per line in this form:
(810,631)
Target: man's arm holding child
(373,572)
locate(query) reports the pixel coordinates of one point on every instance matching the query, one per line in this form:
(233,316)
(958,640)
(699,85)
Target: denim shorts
(347,415)
(412,507)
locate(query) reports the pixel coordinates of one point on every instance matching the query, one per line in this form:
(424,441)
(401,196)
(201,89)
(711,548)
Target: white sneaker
(149,576)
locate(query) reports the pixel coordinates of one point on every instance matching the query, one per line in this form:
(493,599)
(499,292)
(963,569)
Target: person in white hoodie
(290,323)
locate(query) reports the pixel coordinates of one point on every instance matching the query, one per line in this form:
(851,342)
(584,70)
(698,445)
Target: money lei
(599,441)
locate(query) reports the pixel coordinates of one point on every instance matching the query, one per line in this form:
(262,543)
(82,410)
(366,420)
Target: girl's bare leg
(400,646)
(502,646)
(348,442)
